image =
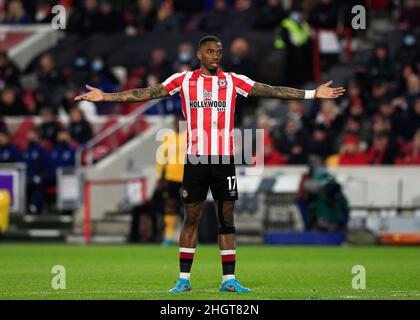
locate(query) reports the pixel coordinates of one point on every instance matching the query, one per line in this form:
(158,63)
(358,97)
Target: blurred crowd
(44,148)
(377,122)
(139,16)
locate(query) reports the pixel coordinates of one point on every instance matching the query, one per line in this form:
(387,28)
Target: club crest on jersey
(207,95)
(222,83)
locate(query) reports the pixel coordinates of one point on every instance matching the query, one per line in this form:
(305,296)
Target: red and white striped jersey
(208,105)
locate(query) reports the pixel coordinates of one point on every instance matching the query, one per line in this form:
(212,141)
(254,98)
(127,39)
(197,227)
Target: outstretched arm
(322,92)
(134,95)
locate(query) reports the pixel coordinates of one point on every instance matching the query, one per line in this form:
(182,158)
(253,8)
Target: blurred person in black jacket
(49,127)
(79,128)
(38,172)
(11,104)
(324,15)
(217,19)
(8,151)
(270,15)
(51,81)
(9,73)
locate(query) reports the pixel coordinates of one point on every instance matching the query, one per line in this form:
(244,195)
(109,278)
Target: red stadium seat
(19,138)
(106,145)
(136,127)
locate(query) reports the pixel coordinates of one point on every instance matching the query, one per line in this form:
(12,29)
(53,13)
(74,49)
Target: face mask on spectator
(409,40)
(97,65)
(80,62)
(296,17)
(184,57)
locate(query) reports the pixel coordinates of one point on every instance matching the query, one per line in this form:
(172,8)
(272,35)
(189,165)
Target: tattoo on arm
(267,91)
(138,95)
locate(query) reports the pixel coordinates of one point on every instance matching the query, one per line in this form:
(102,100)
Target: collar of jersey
(203,75)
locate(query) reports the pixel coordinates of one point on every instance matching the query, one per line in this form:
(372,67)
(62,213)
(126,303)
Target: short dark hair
(208,38)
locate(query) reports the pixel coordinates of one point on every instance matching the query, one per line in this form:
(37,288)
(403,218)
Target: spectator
(43,12)
(382,150)
(271,155)
(380,92)
(298,153)
(409,17)
(411,152)
(63,154)
(49,127)
(329,116)
(8,151)
(380,124)
(186,56)
(217,19)
(406,70)
(324,15)
(169,20)
(11,104)
(110,20)
(270,15)
(351,153)
(296,111)
(16,13)
(9,73)
(239,60)
(68,102)
(90,18)
(79,128)
(244,16)
(354,127)
(412,123)
(293,34)
(38,165)
(159,65)
(413,90)
(353,96)
(409,52)
(146,16)
(291,136)
(3,126)
(80,70)
(50,81)
(381,66)
(100,78)
(99,67)
(320,144)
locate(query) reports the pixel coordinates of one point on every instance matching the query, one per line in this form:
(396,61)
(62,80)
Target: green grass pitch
(148,271)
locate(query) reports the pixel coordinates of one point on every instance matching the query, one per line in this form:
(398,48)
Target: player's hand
(95,95)
(325,92)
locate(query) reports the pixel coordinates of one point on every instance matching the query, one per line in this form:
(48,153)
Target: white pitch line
(369,294)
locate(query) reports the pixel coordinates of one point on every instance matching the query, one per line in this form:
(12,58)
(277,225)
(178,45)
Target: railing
(111,132)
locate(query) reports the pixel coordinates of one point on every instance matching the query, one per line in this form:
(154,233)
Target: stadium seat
(19,137)
(107,145)
(136,127)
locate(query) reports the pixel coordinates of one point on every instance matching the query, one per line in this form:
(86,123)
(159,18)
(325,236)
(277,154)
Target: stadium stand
(117,45)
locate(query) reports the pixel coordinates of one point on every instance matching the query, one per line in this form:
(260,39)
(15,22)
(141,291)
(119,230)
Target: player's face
(210,55)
